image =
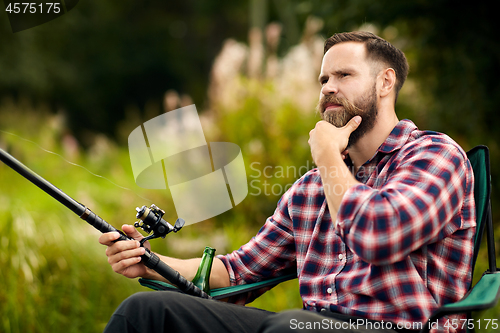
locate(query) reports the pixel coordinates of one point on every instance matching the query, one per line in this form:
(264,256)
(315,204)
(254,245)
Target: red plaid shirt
(402,242)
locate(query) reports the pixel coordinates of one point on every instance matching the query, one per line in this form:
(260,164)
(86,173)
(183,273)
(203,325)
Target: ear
(387,78)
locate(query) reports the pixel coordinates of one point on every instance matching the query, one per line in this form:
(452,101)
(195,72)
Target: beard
(365,106)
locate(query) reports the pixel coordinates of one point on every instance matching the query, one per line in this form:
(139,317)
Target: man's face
(348,88)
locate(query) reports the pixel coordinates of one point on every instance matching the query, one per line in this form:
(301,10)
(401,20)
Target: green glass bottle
(202,277)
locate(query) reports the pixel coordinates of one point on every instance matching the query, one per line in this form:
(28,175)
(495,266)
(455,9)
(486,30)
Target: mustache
(331,99)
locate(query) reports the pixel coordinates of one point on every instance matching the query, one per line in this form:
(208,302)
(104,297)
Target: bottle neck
(202,277)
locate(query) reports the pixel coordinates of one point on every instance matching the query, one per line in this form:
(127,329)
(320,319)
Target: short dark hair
(377,49)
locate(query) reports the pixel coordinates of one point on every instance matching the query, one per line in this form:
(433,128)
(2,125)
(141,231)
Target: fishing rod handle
(97,222)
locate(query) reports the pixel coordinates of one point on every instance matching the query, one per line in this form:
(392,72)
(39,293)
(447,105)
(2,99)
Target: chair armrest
(220,293)
(483,295)
(155,284)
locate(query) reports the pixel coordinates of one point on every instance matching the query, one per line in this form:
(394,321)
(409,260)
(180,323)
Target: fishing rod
(151,221)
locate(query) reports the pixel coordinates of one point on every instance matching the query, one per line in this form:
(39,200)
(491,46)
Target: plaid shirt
(402,242)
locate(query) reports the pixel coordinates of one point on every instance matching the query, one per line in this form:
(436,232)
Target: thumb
(132,232)
(353,124)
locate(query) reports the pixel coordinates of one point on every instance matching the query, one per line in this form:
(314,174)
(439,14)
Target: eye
(323,80)
(343,75)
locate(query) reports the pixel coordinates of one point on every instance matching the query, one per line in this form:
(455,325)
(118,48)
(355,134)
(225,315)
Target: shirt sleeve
(271,253)
(420,203)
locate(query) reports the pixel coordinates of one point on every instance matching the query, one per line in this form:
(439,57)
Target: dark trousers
(169,311)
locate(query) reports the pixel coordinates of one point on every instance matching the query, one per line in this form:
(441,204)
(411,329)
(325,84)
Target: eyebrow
(337,72)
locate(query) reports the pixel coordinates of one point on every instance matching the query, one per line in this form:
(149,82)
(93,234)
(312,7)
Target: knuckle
(119,266)
(120,256)
(116,268)
(125,245)
(104,239)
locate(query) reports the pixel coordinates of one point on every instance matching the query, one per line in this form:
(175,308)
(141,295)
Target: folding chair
(483,295)
(486,292)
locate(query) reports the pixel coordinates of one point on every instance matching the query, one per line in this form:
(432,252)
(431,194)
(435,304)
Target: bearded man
(380,233)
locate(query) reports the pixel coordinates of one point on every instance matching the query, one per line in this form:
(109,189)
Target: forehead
(346,55)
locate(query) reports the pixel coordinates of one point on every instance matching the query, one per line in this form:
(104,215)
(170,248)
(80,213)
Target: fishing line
(75,164)
(151,221)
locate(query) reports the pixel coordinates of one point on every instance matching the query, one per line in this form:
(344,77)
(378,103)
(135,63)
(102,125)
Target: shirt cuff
(354,198)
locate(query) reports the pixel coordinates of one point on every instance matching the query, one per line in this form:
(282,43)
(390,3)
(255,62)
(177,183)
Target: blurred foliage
(103,56)
(104,69)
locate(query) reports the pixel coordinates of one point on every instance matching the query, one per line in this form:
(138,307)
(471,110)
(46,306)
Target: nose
(329,88)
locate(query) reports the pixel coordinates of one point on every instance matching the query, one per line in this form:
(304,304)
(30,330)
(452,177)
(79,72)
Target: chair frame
(486,292)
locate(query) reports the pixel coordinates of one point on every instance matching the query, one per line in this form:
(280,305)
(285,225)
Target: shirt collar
(398,137)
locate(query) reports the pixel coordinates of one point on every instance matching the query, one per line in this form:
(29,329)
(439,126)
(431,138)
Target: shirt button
(329,290)
(341,256)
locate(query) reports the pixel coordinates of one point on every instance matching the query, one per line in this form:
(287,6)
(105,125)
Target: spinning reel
(152,222)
